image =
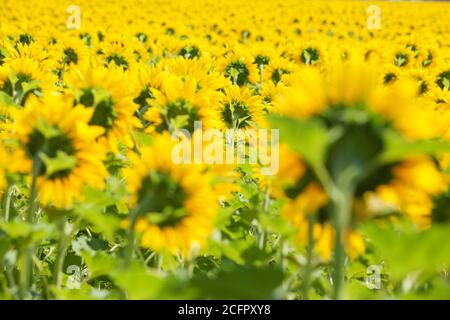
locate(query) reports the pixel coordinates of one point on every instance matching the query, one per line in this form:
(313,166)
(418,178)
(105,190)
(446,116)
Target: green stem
(341,200)
(7,202)
(27,270)
(60,253)
(309,254)
(341,218)
(130,236)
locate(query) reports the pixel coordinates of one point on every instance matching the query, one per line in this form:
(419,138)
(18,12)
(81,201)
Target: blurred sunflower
(23,77)
(145,79)
(72,51)
(414,184)
(116,54)
(242,109)
(179,103)
(239,68)
(111,98)
(277,68)
(57,144)
(176,203)
(44,55)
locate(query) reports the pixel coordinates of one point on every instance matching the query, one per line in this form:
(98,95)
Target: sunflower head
(181,102)
(59,148)
(239,68)
(22,77)
(176,203)
(105,92)
(241,109)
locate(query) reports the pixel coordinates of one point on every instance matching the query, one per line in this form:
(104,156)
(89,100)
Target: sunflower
(239,68)
(57,144)
(44,55)
(107,92)
(176,203)
(241,109)
(145,79)
(72,51)
(390,73)
(305,97)
(310,53)
(22,78)
(354,83)
(403,56)
(438,95)
(414,183)
(277,68)
(180,103)
(262,54)
(422,77)
(199,69)
(117,54)
(443,77)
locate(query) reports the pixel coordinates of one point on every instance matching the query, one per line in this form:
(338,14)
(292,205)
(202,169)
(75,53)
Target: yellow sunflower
(72,51)
(241,109)
(57,144)
(277,68)
(422,77)
(109,94)
(146,78)
(176,203)
(239,68)
(117,54)
(44,55)
(414,183)
(180,103)
(23,77)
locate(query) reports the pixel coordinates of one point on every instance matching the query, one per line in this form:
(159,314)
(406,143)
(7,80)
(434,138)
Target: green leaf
(239,282)
(23,230)
(142,139)
(135,280)
(100,95)
(308,137)
(61,162)
(28,86)
(179,121)
(398,148)
(5,99)
(100,263)
(47,130)
(411,250)
(92,210)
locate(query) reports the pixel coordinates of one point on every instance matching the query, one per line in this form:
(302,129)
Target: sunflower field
(346,102)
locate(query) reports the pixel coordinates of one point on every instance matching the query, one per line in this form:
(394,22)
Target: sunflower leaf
(397,148)
(308,137)
(61,162)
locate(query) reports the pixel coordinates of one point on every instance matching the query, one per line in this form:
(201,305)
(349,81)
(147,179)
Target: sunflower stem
(309,254)
(60,252)
(341,199)
(341,203)
(27,270)
(7,202)
(130,236)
